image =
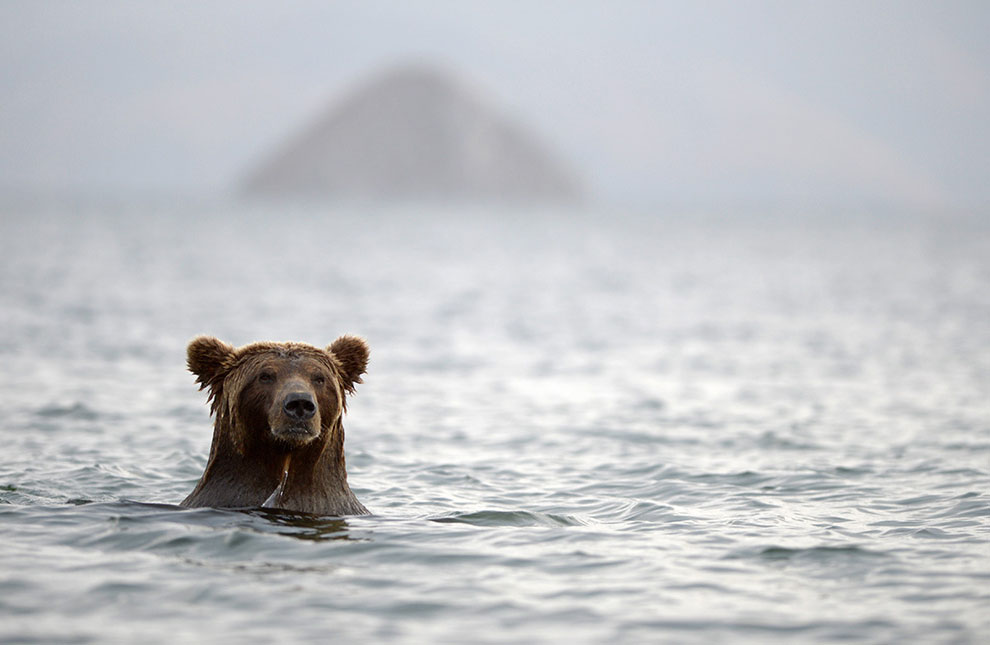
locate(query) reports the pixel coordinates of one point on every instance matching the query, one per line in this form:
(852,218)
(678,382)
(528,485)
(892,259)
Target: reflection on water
(305,526)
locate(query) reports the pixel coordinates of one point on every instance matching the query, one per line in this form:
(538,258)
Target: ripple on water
(812,554)
(510,518)
(78,411)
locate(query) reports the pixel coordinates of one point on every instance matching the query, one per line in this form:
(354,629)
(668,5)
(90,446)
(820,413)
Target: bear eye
(319,379)
(267,377)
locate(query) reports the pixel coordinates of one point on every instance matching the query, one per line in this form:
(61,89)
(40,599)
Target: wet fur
(248,457)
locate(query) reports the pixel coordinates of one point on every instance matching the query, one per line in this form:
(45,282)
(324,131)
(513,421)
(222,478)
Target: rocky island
(415,134)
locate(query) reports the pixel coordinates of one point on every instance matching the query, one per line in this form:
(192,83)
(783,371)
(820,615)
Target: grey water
(589,427)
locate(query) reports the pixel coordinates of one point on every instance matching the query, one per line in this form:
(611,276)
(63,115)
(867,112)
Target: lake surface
(582,428)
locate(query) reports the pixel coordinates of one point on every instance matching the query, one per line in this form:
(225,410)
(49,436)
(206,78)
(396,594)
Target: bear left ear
(351,353)
(207,358)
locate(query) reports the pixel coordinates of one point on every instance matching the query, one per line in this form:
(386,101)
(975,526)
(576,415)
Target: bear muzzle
(296,419)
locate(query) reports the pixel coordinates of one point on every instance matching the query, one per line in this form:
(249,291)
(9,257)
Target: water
(584,428)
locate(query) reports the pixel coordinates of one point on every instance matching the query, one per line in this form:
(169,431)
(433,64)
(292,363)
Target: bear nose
(300,405)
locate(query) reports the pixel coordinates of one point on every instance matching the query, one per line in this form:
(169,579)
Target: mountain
(415,134)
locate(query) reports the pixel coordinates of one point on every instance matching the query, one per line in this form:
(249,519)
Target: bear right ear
(351,353)
(207,358)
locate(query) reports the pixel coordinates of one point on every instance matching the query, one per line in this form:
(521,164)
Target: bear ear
(351,353)
(208,358)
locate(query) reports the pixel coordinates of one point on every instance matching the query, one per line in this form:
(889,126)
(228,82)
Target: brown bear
(278,440)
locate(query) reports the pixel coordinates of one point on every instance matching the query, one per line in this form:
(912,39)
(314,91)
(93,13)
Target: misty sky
(807,102)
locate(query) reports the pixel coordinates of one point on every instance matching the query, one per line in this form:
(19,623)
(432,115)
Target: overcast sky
(838,102)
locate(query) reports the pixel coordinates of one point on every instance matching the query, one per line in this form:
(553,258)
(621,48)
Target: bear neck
(311,478)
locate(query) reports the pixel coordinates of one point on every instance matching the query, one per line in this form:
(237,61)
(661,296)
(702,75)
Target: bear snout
(294,415)
(299,405)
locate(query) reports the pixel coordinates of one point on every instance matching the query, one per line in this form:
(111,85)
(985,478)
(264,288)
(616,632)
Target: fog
(832,103)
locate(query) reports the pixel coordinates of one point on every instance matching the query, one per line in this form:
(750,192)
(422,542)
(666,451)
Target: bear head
(277,396)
